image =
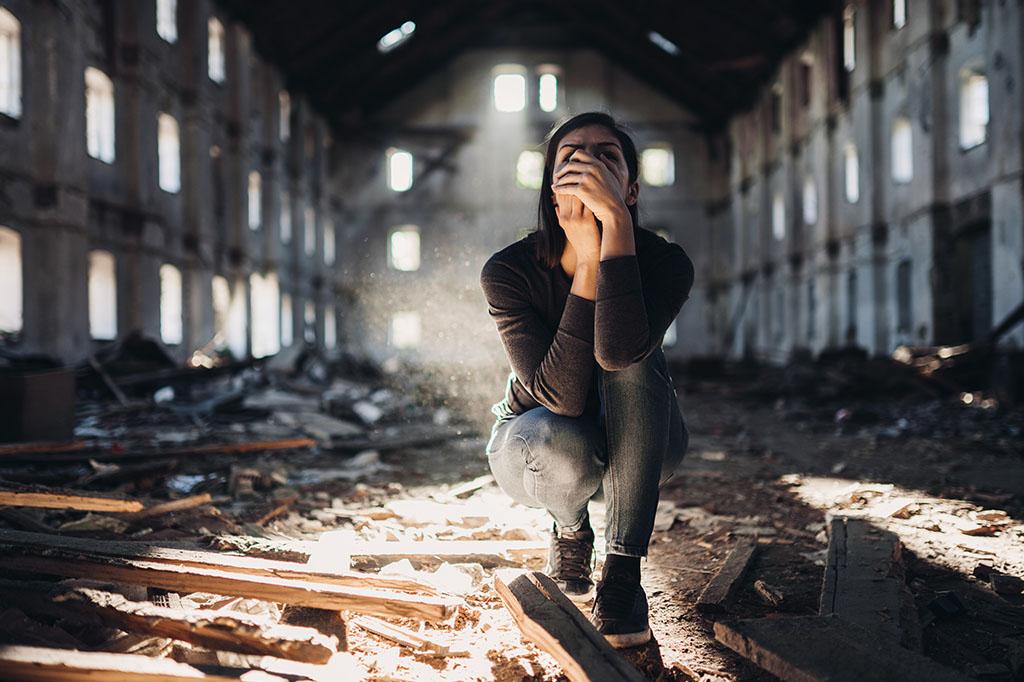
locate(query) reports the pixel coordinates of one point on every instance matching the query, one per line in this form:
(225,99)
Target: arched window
(99,115)
(778,217)
(973,108)
(328,241)
(265,303)
(852,173)
(309,231)
(167,20)
(399,170)
(404,248)
(215,56)
(810,201)
(169,153)
(530,169)
(102,295)
(171,331)
(509,87)
(10,64)
(255,200)
(10,281)
(902,150)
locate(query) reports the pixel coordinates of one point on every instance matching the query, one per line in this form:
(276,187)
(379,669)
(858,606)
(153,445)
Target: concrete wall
(847,260)
(64,203)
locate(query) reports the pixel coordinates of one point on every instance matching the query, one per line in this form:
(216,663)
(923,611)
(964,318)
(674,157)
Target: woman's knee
(559,449)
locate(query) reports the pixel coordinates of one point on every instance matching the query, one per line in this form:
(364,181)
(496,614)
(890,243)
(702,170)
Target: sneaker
(620,612)
(570,561)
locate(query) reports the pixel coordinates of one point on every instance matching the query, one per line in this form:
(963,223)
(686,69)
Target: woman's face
(602,144)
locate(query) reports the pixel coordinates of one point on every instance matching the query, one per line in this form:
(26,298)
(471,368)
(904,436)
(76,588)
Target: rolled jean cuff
(626,550)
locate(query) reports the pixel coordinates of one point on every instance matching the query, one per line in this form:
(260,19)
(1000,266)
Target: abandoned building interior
(246,363)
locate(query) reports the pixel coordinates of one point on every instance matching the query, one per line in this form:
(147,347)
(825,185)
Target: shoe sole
(629,639)
(580,598)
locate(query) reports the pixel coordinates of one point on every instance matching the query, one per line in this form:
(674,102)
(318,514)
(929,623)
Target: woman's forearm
(617,237)
(584,280)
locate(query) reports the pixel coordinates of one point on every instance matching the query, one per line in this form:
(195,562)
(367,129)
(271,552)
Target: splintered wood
(547,618)
(52,498)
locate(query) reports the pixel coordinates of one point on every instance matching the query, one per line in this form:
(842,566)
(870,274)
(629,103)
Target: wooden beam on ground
(64,665)
(232,563)
(70,564)
(42,497)
(820,648)
(170,506)
(403,636)
(547,618)
(44,447)
(218,630)
(722,585)
(487,553)
(864,581)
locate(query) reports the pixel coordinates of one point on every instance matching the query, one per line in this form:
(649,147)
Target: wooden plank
(32,663)
(864,581)
(41,497)
(820,648)
(547,617)
(171,506)
(387,604)
(487,553)
(219,630)
(44,446)
(232,563)
(723,583)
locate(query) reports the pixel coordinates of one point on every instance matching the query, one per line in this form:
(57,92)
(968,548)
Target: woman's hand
(580,227)
(594,183)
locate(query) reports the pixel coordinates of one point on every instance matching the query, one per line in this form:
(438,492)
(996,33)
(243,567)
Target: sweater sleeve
(631,316)
(555,368)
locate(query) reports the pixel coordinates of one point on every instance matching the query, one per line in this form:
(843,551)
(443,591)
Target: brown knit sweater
(554,339)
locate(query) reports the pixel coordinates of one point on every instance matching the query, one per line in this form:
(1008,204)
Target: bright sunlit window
(530,169)
(852,163)
(399,170)
(509,88)
(810,201)
(404,331)
(215,56)
(849,39)
(973,108)
(10,64)
(404,248)
(899,13)
(778,217)
(10,281)
(657,166)
(396,37)
(264,293)
(169,152)
(902,150)
(255,200)
(99,115)
(170,305)
(167,20)
(547,91)
(102,295)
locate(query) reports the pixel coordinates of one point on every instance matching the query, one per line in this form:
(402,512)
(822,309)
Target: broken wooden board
(41,497)
(219,630)
(41,447)
(820,648)
(864,581)
(232,563)
(171,506)
(547,618)
(487,553)
(63,665)
(70,564)
(723,583)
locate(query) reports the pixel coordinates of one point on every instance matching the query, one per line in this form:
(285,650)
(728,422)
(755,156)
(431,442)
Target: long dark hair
(550,238)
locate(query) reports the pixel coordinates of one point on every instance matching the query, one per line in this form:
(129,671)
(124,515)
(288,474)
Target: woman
(582,305)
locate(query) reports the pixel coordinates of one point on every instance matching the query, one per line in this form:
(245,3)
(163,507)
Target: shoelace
(615,597)
(571,558)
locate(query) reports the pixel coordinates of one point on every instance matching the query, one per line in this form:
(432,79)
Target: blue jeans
(542,459)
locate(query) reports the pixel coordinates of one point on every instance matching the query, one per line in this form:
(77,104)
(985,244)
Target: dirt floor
(945,475)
